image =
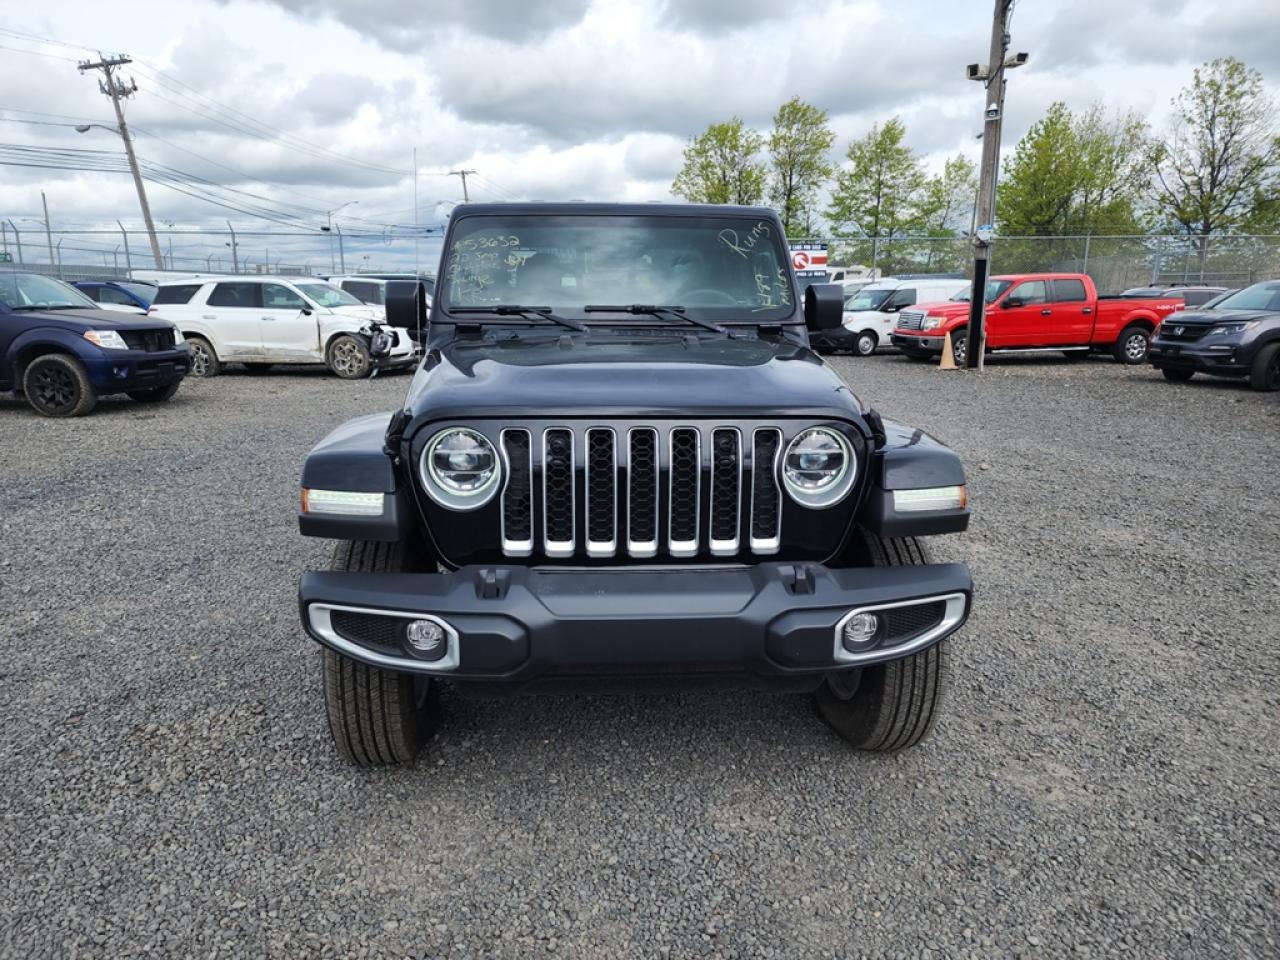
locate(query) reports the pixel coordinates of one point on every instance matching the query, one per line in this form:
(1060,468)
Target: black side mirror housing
(407,307)
(823,306)
(306,311)
(1011,302)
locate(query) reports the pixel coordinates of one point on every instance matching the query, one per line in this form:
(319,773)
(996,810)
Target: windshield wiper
(48,306)
(654,311)
(517,310)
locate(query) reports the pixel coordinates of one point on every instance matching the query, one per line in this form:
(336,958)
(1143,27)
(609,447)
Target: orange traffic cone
(948,355)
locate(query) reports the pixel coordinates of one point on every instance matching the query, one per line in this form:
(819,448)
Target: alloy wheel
(347,360)
(54,388)
(1135,348)
(199,361)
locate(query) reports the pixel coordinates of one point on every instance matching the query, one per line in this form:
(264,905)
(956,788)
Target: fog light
(427,638)
(860,631)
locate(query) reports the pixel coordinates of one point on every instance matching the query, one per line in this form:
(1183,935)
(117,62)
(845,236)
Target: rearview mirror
(823,306)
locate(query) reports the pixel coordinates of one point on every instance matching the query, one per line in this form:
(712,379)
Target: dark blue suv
(118,294)
(62,352)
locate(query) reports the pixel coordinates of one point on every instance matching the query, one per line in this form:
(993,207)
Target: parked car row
(1237,336)
(263,321)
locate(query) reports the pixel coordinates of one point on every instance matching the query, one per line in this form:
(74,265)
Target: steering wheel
(719,295)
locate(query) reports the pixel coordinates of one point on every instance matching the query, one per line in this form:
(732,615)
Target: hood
(78,320)
(658,376)
(362,312)
(1220,316)
(941,308)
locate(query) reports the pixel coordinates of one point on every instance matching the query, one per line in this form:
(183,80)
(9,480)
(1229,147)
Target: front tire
(57,385)
(204,360)
(866,343)
(960,348)
(156,394)
(1132,346)
(348,357)
(1265,373)
(376,717)
(887,706)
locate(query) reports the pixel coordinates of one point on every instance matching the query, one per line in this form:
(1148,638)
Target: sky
(305,105)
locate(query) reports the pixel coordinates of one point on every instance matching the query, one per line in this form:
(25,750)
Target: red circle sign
(800,260)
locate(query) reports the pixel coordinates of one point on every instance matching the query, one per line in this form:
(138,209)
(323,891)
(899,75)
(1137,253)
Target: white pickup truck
(263,321)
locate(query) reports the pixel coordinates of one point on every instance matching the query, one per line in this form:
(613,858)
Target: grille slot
(152,341)
(602,492)
(685,475)
(642,492)
(517,495)
(726,490)
(369,630)
(766,501)
(910,320)
(906,623)
(558,501)
(1181,332)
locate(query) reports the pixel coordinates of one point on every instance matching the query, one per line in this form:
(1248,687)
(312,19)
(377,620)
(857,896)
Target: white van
(262,321)
(871,312)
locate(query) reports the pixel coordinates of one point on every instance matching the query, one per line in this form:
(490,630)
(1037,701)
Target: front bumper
(116,371)
(772,621)
(1222,359)
(917,342)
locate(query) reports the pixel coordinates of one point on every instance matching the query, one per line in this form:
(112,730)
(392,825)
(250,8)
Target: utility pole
(118,90)
(48,234)
(235,255)
(466,198)
(993,80)
(342,253)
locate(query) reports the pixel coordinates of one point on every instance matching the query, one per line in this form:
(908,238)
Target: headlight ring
(819,467)
(460,468)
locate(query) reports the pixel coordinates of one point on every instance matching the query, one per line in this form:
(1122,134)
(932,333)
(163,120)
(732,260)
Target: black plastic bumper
(1222,362)
(772,621)
(910,344)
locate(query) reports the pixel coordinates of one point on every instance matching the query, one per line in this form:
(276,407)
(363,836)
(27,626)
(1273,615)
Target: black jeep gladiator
(619,461)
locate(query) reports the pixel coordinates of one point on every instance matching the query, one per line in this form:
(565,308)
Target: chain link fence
(82,254)
(1114,262)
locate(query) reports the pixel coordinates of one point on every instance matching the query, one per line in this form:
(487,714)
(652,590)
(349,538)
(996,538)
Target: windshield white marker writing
(740,245)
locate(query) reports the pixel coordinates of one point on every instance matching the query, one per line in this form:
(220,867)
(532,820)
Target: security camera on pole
(992,78)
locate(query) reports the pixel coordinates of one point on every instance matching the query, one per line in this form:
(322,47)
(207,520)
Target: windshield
(143,291)
(994,289)
(1261,296)
(867,299)
(327,296)
(19,290)
(725,268)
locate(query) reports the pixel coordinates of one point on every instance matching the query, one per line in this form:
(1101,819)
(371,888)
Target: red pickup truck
(1038,311)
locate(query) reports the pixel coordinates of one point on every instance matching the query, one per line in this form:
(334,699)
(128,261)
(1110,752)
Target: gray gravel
(1104,781)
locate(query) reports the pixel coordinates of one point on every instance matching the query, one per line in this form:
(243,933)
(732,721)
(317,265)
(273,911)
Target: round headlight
(460,469)
(818,468)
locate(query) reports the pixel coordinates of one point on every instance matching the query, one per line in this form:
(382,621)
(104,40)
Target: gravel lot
(1104,781)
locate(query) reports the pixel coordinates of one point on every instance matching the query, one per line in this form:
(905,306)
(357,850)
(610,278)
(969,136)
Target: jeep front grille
(640,491)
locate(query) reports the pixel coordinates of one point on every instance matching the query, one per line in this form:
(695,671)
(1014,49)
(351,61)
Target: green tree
(945,212)
(1216,170)
(877,194)
(1114,177)
(798,149)
(1039,186)
(720,166)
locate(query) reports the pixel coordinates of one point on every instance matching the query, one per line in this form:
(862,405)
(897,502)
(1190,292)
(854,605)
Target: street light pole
(48,234)
(328,228)
(993,79)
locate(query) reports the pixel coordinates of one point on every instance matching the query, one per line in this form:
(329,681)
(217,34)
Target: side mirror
(306,311)
(1009,302)
(407,307)
(823,306)
(890,308)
